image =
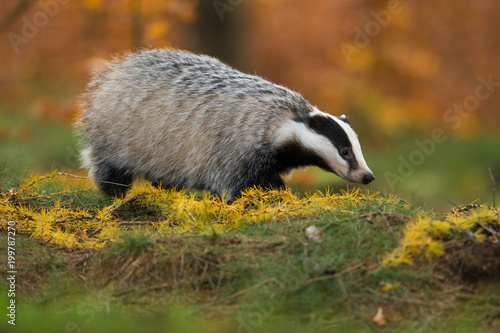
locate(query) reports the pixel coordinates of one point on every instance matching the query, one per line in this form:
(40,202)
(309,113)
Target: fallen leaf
(380,319)
(82,232)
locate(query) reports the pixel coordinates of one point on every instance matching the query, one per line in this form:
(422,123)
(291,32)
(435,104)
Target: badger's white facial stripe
(362,168)
(293,131)
(325,145)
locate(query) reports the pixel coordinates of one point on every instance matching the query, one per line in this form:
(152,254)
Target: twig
(328,325)
(71,175)
(450,291)
(493,232)
(397,299)
(80,218)
(24,187)
(246,290)
(333,276)
(122,202)
(191,216)
(494,185)
(139,222)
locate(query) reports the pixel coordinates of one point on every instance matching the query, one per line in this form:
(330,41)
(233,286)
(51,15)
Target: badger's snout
(367,178)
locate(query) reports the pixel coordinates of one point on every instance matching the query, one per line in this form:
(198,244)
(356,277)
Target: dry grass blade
(332,276)
(494,186)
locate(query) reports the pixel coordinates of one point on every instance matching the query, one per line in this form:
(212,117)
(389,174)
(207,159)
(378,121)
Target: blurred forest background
(419,81)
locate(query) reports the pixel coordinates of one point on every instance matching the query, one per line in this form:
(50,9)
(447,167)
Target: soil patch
(471,260)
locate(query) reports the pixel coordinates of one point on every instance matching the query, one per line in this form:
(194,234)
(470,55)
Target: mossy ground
(178,261)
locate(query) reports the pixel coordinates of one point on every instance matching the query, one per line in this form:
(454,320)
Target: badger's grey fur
(186,120)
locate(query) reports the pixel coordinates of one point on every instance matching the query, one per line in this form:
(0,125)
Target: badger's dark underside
(264,171)
(116,182)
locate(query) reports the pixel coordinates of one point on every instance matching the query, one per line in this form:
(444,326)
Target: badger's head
(328,142)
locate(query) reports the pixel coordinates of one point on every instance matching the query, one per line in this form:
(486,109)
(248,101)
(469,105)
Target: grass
(245,267)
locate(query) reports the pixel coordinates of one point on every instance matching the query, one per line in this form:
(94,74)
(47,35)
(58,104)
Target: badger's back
(185,120)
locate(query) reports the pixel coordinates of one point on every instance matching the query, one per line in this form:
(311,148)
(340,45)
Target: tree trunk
(137,24)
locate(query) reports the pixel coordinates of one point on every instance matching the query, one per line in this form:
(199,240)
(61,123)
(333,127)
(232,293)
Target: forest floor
(271,261)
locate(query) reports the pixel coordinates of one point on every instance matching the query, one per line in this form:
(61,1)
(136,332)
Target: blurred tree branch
(21,7)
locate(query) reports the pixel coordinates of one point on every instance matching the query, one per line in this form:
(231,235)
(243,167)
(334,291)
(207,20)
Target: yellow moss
(388,286)
(440,229)
(424,237)
(61,224)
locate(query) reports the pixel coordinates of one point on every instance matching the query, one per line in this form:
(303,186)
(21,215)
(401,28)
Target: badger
(183,120)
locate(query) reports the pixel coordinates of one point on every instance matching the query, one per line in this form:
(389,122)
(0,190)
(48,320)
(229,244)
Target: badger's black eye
(345,151)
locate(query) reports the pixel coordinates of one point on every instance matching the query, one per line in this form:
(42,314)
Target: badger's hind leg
(112,180)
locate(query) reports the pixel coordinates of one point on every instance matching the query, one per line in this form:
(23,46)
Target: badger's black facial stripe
(329,128)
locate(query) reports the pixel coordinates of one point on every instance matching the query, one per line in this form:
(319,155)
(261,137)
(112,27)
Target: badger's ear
(344,119)
(316,122)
